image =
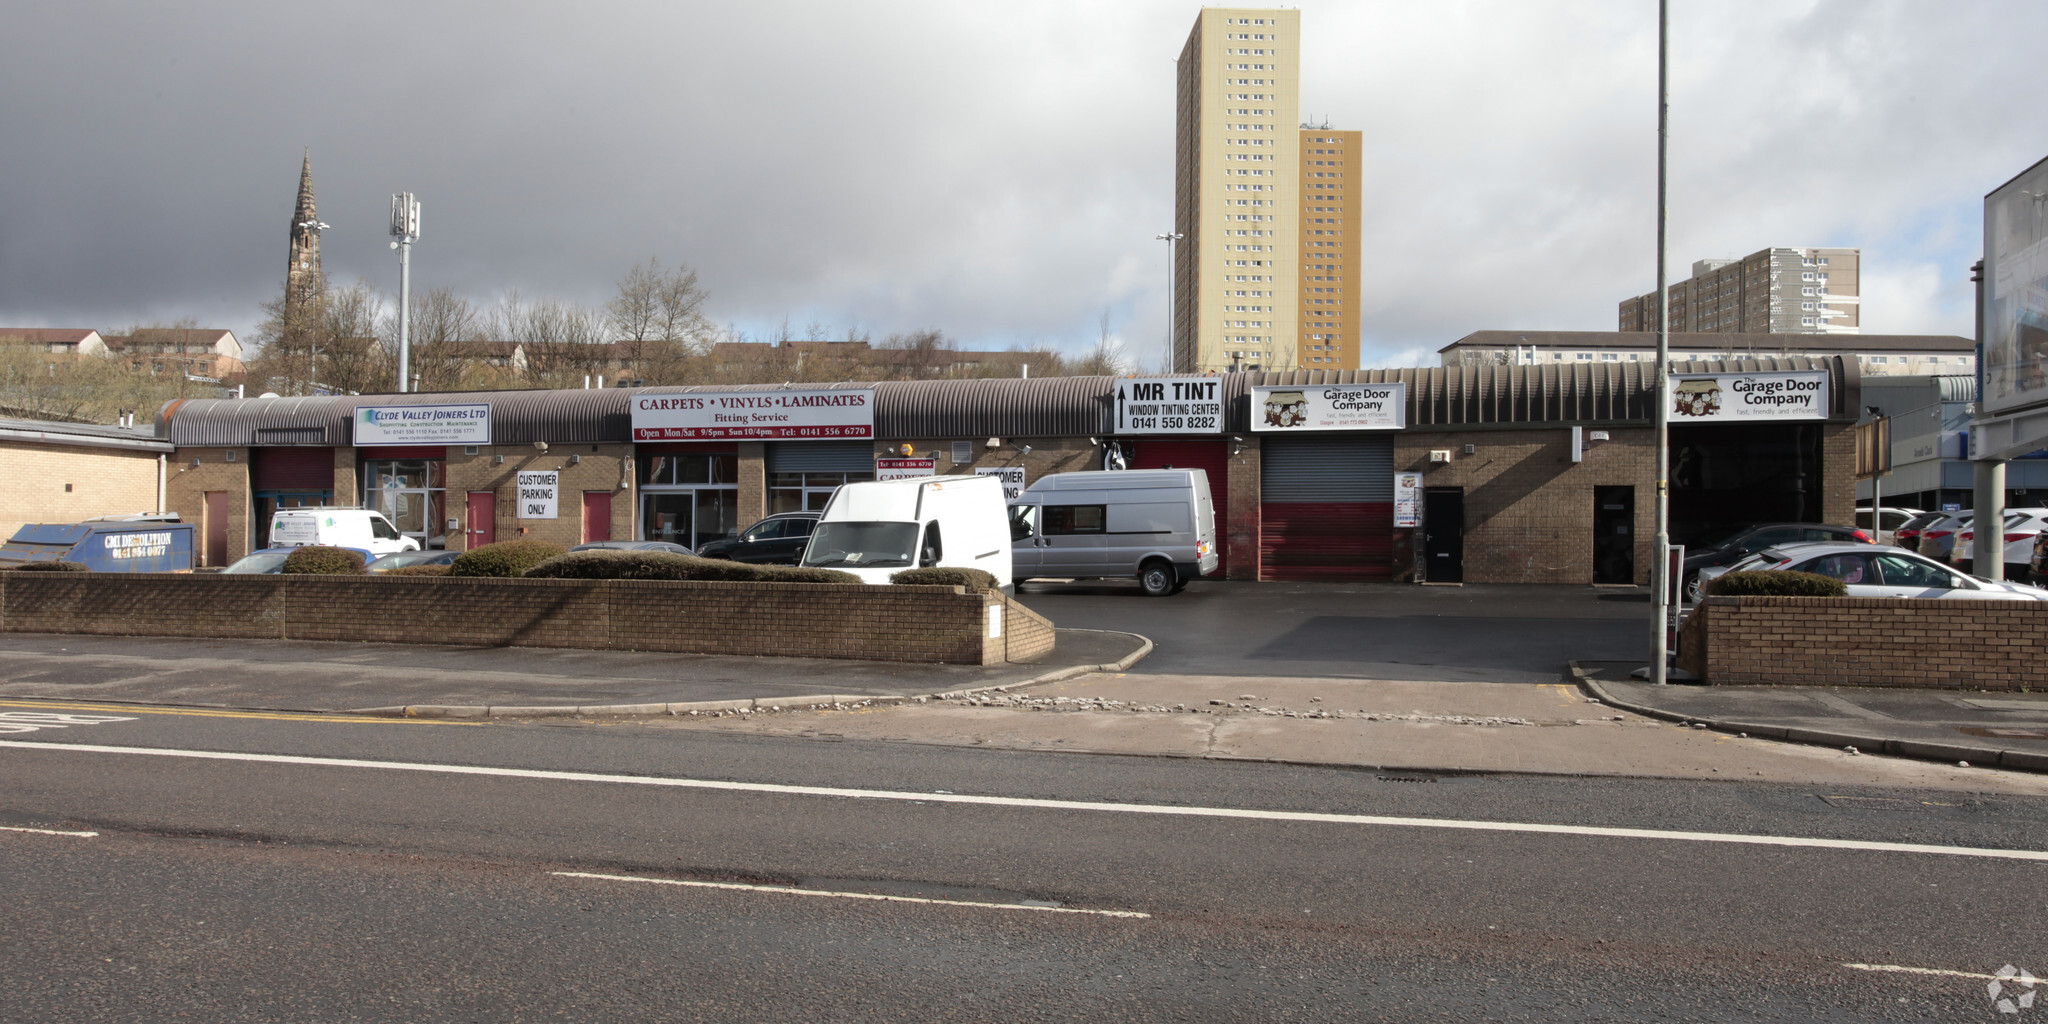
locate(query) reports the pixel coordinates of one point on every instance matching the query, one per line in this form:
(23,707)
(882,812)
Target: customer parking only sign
(1721,397)
(1169,405)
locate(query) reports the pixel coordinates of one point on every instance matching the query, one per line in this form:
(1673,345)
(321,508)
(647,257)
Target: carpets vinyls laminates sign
(831,414)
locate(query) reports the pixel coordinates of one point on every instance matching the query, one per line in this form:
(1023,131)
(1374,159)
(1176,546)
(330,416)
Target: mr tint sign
(1169,405)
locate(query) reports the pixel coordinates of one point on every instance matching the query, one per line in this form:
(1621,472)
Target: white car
(1892,519)
(1878,570)
(1938,538)
(2020,527)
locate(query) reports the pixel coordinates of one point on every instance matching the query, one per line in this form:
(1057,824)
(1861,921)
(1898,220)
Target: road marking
(49,832)
(33,721)
(879,897)
(283,716)
(1037,803)
(1935,971)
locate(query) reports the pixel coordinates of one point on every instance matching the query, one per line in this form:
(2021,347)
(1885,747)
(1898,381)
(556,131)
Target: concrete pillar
(1988,549)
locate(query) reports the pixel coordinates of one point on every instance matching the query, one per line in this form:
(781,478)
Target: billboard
(1725,397)
(1306,407)
(1169,405)
(831,414)
(2016,293)
(422,424)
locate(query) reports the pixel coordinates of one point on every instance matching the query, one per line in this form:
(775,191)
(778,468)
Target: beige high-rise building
(1329,334)
(1781,290)
(1237,193)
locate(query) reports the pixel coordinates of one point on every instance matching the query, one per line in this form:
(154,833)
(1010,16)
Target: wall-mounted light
(195,462)
(497,460)
(994,442)
(575,460)
(1093,442)
(540,446)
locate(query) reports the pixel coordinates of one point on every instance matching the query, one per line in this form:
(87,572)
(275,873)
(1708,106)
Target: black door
(1443,534)
(1614,541)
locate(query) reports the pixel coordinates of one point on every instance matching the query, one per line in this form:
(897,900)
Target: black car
(1731,548)
(776,540)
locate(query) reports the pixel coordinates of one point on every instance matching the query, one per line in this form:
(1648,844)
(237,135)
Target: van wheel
(1156,579)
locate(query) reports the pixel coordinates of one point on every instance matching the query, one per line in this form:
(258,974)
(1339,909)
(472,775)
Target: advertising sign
(2016,293)
(903,469)
(537,493)
(1306,407)
(1407,500)
(423,424)
(1169,405)
(831,414)
(1013,479)
(1724,397)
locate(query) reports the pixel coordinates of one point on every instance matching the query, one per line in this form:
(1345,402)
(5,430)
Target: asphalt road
(1375,631)
(425,881)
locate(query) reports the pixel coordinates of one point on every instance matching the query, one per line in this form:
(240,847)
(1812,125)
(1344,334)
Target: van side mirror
(928,558)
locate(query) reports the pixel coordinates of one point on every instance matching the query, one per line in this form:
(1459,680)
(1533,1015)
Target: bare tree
(562,341)
(658,321)
(448,349)
(1108,357)
(327,343)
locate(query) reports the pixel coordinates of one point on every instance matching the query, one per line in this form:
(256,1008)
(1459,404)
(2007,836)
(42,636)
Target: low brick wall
(1859,641)
(803,620)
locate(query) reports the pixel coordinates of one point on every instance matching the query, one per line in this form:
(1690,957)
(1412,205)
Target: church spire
(302,273)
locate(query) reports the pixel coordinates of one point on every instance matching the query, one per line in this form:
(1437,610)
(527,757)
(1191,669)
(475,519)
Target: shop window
(677,470)
(807,492)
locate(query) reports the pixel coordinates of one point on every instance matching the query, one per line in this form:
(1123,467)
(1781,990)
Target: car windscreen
(265,562)
(401,558)
(856,545)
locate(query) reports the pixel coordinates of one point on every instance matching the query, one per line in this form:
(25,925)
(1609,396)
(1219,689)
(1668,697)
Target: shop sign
(1407,500)
(1012,476)
(904,469)
(1169,405)
(537,493)
(422,424)
(1299,407)
(1722,397)
(830,414)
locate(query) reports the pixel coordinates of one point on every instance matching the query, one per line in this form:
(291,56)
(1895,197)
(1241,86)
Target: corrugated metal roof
(991,406)
(1931,387)
(1687,341)
(580,415)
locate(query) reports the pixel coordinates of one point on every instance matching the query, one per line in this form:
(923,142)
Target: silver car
(1878,570)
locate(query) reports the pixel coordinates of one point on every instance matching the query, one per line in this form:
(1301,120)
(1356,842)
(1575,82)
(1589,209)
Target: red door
(483,519)
(1212,458)
(597,516)
(216,528)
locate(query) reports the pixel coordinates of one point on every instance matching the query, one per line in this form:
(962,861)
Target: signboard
(1407,500)
(830,414)
(1013,479)
(2016,293)
(537,493)
(1169,405)
(1725,397)
(1303,407)
(903,469)
(422,424)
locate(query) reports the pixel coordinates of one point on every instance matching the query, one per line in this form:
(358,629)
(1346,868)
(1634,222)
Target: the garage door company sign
(755,415)
(537,493)
(1169,405)
(422,424)
(1720,397)
(1303,408)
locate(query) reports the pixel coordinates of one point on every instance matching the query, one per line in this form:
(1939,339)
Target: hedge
(54,567)
(972,579)
(316,560)
(613,564)
(505,558)
(417,570)
(1777,584)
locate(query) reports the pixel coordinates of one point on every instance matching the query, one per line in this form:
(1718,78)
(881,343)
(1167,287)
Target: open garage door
(1327,508)
(1210,457)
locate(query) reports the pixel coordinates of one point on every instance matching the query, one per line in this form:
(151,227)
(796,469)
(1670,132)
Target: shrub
(972,579)
(314,559)
(1777,584)
(803,574)
(667,565)
(54,567)
(418,570)
(505,558)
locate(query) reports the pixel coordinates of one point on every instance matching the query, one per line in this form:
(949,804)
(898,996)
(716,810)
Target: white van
(874,529)
(338,527)
(1157,525)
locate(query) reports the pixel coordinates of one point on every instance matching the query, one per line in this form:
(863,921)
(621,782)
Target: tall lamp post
(405,228)
(1660,572)
(1169,238)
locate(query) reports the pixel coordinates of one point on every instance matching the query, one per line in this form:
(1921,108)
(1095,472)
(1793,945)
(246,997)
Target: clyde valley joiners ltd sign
(833,414)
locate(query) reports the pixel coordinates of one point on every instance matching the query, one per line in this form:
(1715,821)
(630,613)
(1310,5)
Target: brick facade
(878,623)
(63,484)
(197,472)
(1850,641)
(604,468)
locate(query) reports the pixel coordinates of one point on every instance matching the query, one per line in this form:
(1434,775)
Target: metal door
(1326,508)
(483,519)
(597,516)
(1614,541)
(1443,534)
(216,527)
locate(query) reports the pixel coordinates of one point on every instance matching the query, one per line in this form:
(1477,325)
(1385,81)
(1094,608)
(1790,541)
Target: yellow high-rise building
(1328,262)
(1237,193)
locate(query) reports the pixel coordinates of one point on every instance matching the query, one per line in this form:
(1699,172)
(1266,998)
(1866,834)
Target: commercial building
(1329,235)
(65,472)
(1874,354)
(1783,290)
(1538,474)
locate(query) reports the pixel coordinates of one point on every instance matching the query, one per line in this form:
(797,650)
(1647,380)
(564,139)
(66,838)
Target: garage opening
(1326,508)
(1725,476)
(1210,457)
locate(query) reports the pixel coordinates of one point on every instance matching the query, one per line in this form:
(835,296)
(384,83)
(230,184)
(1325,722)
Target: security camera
(1024,448)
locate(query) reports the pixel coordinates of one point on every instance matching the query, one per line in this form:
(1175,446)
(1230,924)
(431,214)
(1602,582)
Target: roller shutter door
(1212,458)
(1326,508)
(821,457)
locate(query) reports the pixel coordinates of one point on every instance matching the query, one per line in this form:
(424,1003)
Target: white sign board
(1307,407)
(1724,397)
(830,414)
(1407,500)
(903,469)
(422,424)
(1013,479)
(1169,405)
(537,493)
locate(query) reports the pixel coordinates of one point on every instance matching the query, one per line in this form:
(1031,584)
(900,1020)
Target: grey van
(1155,525)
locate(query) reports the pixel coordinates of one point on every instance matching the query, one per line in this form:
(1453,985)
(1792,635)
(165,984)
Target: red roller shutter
(1326,507)
(1210,457)
(291,469)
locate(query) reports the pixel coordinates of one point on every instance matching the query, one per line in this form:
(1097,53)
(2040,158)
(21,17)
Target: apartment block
(1782,290)
(1329,334)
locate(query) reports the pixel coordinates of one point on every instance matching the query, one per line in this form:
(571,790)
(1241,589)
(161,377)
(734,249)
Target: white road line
(1937,972)
(879,897)
(49,832)
(1051,805)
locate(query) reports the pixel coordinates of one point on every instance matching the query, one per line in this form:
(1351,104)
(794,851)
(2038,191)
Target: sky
(995,171)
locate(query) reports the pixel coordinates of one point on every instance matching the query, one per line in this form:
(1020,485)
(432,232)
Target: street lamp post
(1169,238)
(405,227)
(1661,570)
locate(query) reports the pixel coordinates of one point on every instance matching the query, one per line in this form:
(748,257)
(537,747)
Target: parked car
(2020,527)
(401,559)
(1157,526)
(634,545)
(338,527)
(1938,538)
(1731,548)
(1908,535)
(1879,570)
(776,540)
(876,528)
(1888,528)
(271,560)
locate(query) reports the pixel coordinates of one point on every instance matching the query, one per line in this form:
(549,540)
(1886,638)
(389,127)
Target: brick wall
(599,467)
(58,484)
(886,623)
(1844,641)
(186,489)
